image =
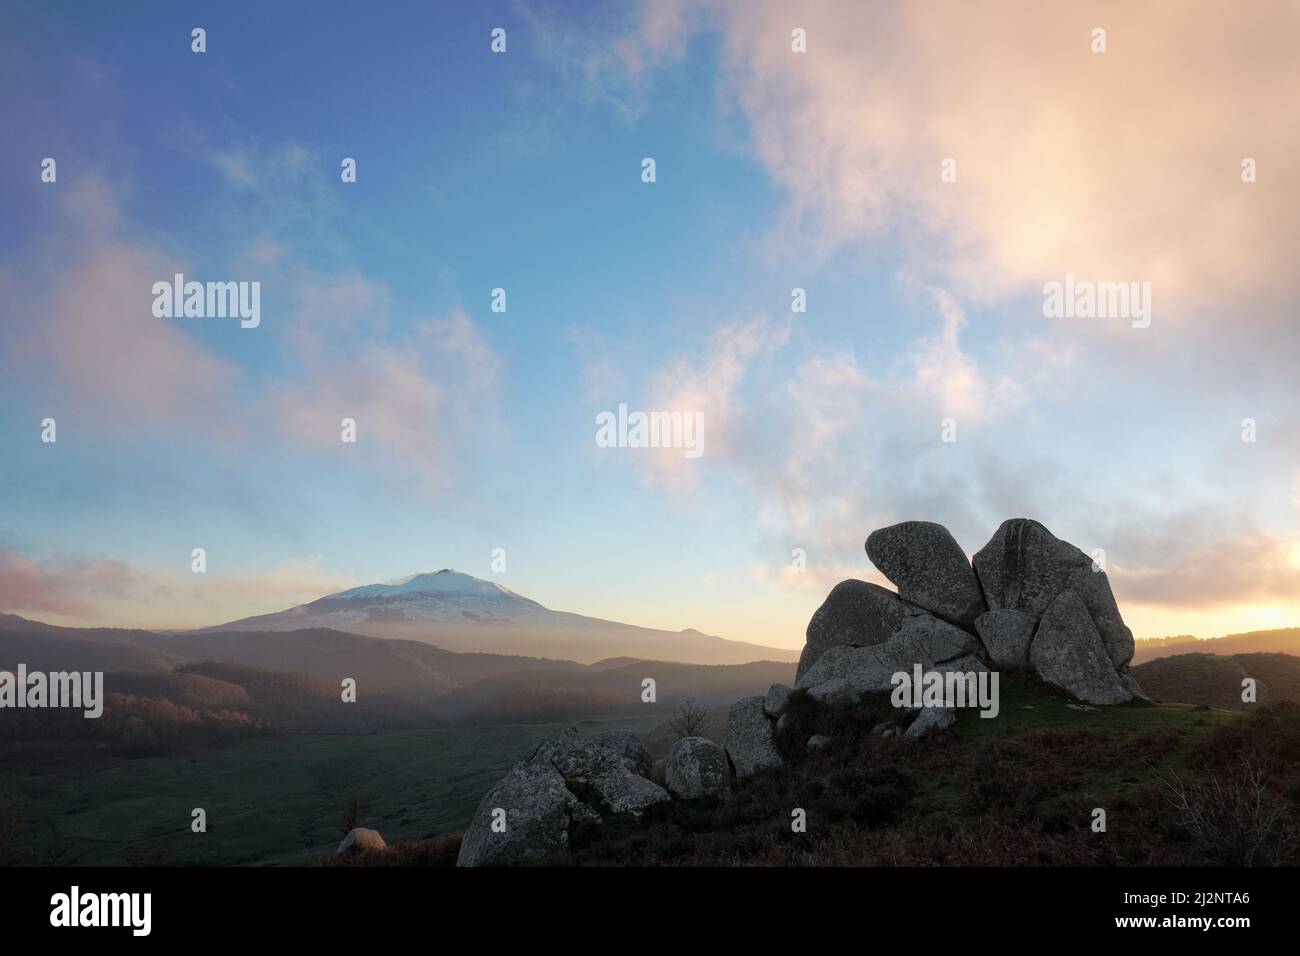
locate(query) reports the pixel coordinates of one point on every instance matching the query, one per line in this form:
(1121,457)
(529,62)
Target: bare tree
(689,720)
(1239,822)
(353,810)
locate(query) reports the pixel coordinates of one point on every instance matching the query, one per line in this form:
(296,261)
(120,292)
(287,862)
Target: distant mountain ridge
(1283,640)
(460,684)
(459,612)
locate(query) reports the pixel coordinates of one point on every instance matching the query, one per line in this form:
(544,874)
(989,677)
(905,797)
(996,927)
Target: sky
(921,171)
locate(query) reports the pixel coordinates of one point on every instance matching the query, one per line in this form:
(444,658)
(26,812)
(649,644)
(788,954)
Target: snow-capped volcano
(426,582)
(460,612)
(444,596)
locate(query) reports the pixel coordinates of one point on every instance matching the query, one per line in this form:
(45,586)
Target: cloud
(61,586)
(611,63)
(83,591)
(85,322)
(1117,166)
(1123,165)
(824,443)
(418,388)
(709,380)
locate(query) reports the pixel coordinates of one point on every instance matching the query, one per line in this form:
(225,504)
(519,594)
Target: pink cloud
(93,336)
(60,586)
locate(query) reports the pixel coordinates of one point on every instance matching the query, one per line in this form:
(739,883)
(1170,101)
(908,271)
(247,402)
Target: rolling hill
(1216,680)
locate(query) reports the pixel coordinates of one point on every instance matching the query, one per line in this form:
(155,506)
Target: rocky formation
(360,839)
(567,779)
(1025,567)
(919,639)
(1028,599)
(929,568)
(855,613)
(751,737)
(697,767)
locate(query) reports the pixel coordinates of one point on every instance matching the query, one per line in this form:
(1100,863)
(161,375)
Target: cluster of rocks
(566,780)
(1027,601)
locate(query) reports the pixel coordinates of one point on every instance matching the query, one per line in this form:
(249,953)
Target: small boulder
(538,810)
(819,742)
(778,699)
(629,746)
(929,568)
(1068,653)
(583,763)
(1006,635)
(697,767)
(361,839)
(932,720)
(751,738)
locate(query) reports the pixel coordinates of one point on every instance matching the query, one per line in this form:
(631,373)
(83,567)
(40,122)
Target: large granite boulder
(567,779)
(920,639)
(603,773)
(751,737)
(855,613)
(1024,567)
(1006,635)
(1068,652)
(929,569)
(697,767)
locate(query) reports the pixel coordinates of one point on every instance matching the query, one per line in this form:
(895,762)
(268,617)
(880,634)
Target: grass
(1016,790)
(274,800)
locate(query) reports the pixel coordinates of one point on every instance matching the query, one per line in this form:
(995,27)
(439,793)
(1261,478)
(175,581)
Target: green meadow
(269,800)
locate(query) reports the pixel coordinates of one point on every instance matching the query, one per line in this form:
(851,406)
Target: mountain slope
(462,613)
(408,669)
(1215,679)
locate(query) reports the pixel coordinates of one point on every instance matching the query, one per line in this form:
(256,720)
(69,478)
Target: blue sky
(522,171)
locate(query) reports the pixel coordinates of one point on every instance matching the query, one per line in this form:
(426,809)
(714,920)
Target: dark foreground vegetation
(1179,784)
